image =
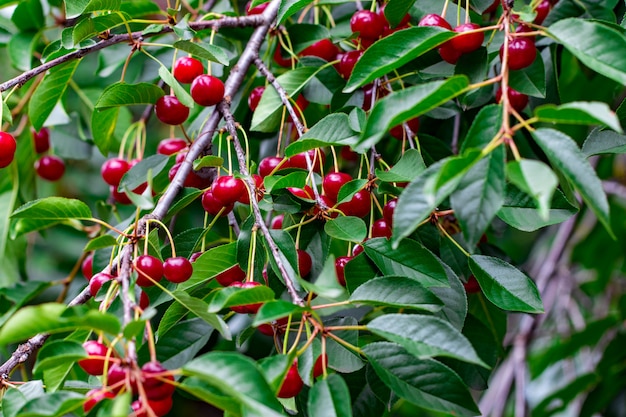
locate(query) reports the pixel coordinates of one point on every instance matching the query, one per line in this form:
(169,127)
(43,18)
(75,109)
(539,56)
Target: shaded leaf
(123,94)
(536,179)
(579,112)
(204,51)
(329,397)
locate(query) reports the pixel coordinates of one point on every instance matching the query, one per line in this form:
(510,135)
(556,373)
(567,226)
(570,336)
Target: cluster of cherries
(48,167)
(153,384)
(205,89)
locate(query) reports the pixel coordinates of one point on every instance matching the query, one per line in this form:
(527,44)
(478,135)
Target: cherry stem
(167,231)
(446,234)
(331,305)
(344,343)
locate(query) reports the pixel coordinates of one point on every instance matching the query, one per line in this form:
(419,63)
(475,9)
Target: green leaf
(47,212)
(201,309)
(100,242)
(208,161)
(580,113)
(103,124)
(598,46)
(15,296)
(211,394)
(91,27)
(203,50)
(349,189)
(329,397)
(565,155)
(211,263)
(393,51)
(530,80)
(400,292)
(425,336)
(401,106)
(58,352)
(348,228)
(275,309)
(484,128)
(326,284)
(535,179)
(144,170)
(293,179)
(410,259)
(54,318)
(236,296)
(123,94)
(422,381)
(604,142)
(505,286)
(28,16)
(410,165)
(14,399)
(181,343)
(20,48)
(181,94)
(333,129)
(396,10)
(49,92)
(75,8)
(51,405)
(288,7)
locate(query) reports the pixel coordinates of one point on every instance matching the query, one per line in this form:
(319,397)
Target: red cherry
(177,269)
(119,196)
(493,7)
(41,140)
(193,179)
(380,228)
(522,52)
(434,20)
(320,363)
(113,170)
(340,266)
(358,206)
(158,407)
(517,100)
(368,24)
(154,386)
(404,22)
(347,63)
(87,267)
(170,146)
(269,164)
(398,131)
(228,189)
(213,206)
(542,11)
(144,300)
(467,42)
(97,281)
(333,182)
(246,308)
(186,69)
(323,212)
(277,326)
(301,103)
(304,263)
(304,193)
(257,9)
(97,352)
(118,375)
(280,60)
(50,167)
(348,154)
(232,274)
(388,210)
(7,145)
(357,249)
(277,222)
(449,54)
(471,286)
(324,49)
(94,396)
(318,159)
(171,111)
(207,90)
(292,384)
(255,97)
(149,269)
(244,198)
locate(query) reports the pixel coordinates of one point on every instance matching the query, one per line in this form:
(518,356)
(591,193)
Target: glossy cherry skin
(97,361)
(304,193)
(388,210)
(324,49)
(170,146)
(244,198)
(113,170)
(270,163)
(380,228)
(119,196)
(292,384)
(87,267)
(333,182)
(117,378)
(257,9)
(207,90)
(467,42)
(50,167)
(277,222)
(542,11)
(186,69)
(517,100)
(348,154)
(280,59)
(318,159)
(155,387)
(320,363)
(398,131)
(358,206)
(368,24)
(246,308)
(449,54)
(7,149)
(94,396)
(149,269)
(97,281)
(193,179)
(304,263)
(232,274)
(340,266)
(255,97)
(213,206)
(277,326)
(521,52)
(434,20)
(357,249)
(177,269)
(347,63)
(158,407)
(171,111)
(471,286)
(144,300)
(228,189)
(41,140)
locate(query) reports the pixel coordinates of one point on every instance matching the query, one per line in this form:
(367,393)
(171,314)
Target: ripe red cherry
(192,180)
(449,54)
(113,170)
(320,363)
(403,23)
(117,377)
(246,308)
(94,396)
(388,210)
(517,100)
(304,263)
(368,24)
(255,97)
(471,286)
(357,249)
(87,267)
(347,63)
(97,281)
(207,90)
(258,191)
(50,167)
(257,9)
(153,381)
(380,228)
(292,384)
(228,189)
(171,111)
(170,146)
(158,407)
(119,196)
(398,131)
(277,222)
(41,140)
(144,300)
(358,206)
(340,266)
(324,49)
(269,164)
(149,269)
(318,159)
(333,182)
(277,326)
(434,20)
(522,52)
(232,274)
(186,69)
(97,352)
(177,269)
(7,149)
(305,193)
(542,11)
(467,42)
(348,154)
(213,206)
(280,59)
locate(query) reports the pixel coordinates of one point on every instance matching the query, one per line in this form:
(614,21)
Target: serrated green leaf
(208,161)
(504,285)
(203,50)
(333,129)
(329,397)
(396,10)
(410,165)
(530,80)
(536,179)
(100,242)
(397,292)
(288,7)
(58,352)
(123,94)
(604,142)
(579,112)
(347,228)
(144,170)
(181,343)
(75,8)
(201,309)
(484,128)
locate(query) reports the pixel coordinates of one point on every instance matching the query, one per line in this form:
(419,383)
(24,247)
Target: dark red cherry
(304,263)
(246,308)
(41,140)
(467,42)
(113,170)
(320,363)
(388,210)
(213,206)
(207,90)
(94,396)
(471,286)
(318,159)
(171,111)
(232,274)
(95,363)
(50,167)
(517,100)
(304,193)
(186,69)
(119,196)
(280,59)
(324,49)
(403,23)
(117,377)
(87,267)
(340,266)
(257,9)
(269,164)
(542,11)
(449,54)
(170,146)
(275,327)
(434,20)
(398,131)
(380,228)
(357,249)
(333,182)
(192,180)
(292,384)
(368,24)
(177,269)
(149,269)
(255,97)
(144,300)
(228,189)
(348,154)
(97,281)
(155,379)
(258,191)
(347,63)
(277,222)
(521,52)
(358,206)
